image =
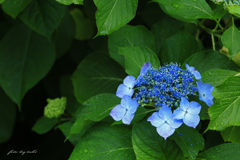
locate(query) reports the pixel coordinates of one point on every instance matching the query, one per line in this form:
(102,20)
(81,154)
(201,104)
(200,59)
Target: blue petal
(176,123)
(209,102)
(126,101)
(184,104)
(197,74)
(145,67)
(155,120)
(124,90)
(133,106)
(165,112)
(127,118)
(165,130)
(205,92)
(194,108)
(129,81)
(118,112)
(191,120)
(187,66)
(178,113)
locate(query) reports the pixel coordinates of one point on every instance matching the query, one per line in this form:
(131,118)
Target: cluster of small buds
(55,107)
(228,2)
(166,89)
(164,86)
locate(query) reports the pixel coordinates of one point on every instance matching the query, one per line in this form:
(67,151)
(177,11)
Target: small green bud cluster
(55,107)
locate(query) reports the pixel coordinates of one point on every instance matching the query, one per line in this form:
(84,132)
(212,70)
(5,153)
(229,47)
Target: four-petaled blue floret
(124,111)
(167,90)
(205,92)
(164,121)
(127,87)
(188,112)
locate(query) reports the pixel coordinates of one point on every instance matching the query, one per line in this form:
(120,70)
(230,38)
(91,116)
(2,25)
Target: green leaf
(163,29)
(215,77)
(66,128)
(189,140)
(104,142)
(44,124)
(219,11)
(203,61)
(68,2)
(220,152)
(96,74)
(113,14)
(231,134)
(14,7)
(194,9)
(178,48)
(1,1)
(25,64)
(135,57)
(225,111)
(84,26)
(94,109)
(64,34)
(133,36)
(231,40)
(235,10)
(139,115)
(7,117)
(43,16)
(147,144)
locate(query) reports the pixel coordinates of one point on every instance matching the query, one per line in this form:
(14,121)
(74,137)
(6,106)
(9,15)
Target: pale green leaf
(68,2)
(135,57)
(44,124)
(113,14)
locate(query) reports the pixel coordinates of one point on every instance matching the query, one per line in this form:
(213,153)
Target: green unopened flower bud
(55,107)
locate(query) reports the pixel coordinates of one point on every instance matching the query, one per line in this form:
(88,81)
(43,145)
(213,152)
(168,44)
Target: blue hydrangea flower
(145,67)
(126,88)
(164,122)
(125,111)
(188,112)
(205,92)
(193,71)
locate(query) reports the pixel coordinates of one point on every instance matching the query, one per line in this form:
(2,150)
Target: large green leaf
(235,10)
(84,26)
(44,124)
(226,110)
(113,14)
(163,29)
(1,1)
(224,151)
(178,48)
(64,34)
(23,65)
(231,40)
(7,117)
(94,109)
(215,77)
(135,57)
(231,134)
(97,73)
(68,2)
(147,144)
(43,16)
(193,9)
(203,61)
(133,36)
(104,142)
(14,7)
(189,140)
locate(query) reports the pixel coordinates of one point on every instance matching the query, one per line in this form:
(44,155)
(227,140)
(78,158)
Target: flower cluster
(167,90)
(55,107)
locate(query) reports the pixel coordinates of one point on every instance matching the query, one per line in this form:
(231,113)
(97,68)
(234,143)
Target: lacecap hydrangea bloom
(55,107)
(167,90)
